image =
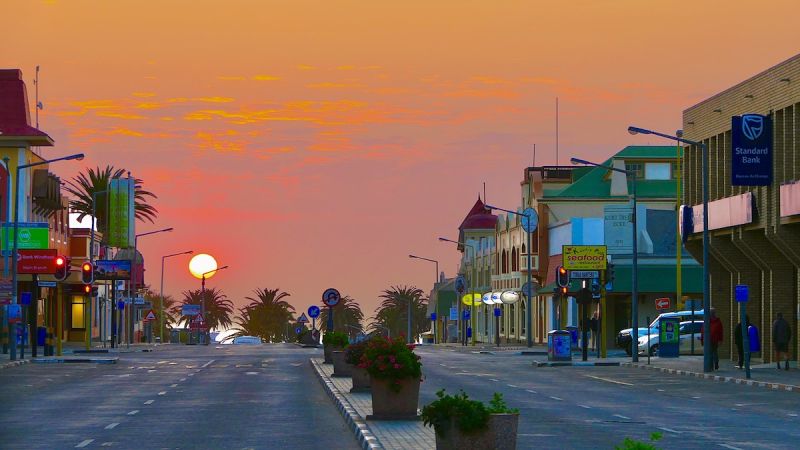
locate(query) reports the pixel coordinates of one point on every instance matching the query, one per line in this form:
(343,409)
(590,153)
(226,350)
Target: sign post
(461,287)
(742,294)
(330,298)
(313,312)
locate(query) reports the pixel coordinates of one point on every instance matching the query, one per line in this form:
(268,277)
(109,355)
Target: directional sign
(662,303)
(313,311)
(190,310)
(331,297)
(303,318)
(25,298)
(47,284)
(298,330)
(530,220)
(742,293)
(150,316)
(453,313)
(584,274)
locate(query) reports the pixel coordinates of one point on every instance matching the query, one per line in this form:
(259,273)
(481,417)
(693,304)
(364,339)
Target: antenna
(36,83)
(484,192)
(556,130)
(534,156)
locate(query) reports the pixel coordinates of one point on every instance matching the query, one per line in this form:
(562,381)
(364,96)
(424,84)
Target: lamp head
(444,239)
(77,157)
(577,161)
(411,256)
(637,130)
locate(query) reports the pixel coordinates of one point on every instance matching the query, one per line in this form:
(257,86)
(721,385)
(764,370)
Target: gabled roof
(478,218)
(15,118)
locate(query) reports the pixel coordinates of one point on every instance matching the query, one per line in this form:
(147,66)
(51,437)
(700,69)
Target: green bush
(335,339)
(469,415)
(354,352)
(632,444)
(392,360)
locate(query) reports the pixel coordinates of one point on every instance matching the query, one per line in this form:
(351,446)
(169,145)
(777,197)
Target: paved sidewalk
(375,434)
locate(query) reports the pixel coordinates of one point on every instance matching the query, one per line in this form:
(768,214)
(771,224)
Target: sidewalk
(375,434)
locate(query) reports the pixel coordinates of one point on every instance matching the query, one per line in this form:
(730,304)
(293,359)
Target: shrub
(335,339)
(469,415)
(354,352)
(392,360)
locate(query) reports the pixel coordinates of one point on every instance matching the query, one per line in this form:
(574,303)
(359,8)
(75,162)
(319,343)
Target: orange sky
(310,144)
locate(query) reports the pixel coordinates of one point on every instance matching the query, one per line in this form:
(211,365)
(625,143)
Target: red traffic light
(563,290)
(60,261)
(62,268)
(87,289)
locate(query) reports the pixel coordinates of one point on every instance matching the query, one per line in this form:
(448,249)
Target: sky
(315,144)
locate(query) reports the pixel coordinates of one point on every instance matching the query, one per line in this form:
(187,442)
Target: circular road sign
(461,284)
(331,297)
(298,330)
(313,311)
(530,220)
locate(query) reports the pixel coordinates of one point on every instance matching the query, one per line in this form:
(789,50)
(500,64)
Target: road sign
(190,310)
(303,318)
(529,219)
(150,315)
(742,292)
(25,298)
(121,305)
(662,303)
(37,261)
(465,313)
(29,235)
(331,297)
(453,313)
(498,312)
(524,289)
(584,274)
(461,284)
(433,316)
(298,330)
(47,284)
(139,300)
(313,311)
(14,313)
(584,257)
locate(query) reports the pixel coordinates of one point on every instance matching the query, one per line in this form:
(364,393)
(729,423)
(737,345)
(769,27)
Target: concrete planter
(390,405)
(499,434)
(328,351)
(340,366)
(361,380)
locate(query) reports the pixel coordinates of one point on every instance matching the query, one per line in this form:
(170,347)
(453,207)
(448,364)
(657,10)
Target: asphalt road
(177,397)
(597,407)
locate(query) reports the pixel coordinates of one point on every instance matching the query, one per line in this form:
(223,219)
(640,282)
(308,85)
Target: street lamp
(635,252)
(161,330)
(472,280)
(436,279)
(15,256)
(707,367)
(132,285)
(203,294)
(529,294)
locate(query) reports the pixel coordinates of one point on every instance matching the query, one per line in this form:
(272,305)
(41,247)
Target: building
(754,229)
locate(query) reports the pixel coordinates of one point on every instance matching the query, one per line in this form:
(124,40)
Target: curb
(357,424)
(61,360)
(575,363)
(718,378)
(16,363)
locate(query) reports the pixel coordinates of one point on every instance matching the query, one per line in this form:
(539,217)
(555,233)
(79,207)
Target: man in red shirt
(716,337)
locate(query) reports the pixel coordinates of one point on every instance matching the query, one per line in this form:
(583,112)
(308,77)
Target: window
(514,260)
(77,313)
(658,171)
(635,167)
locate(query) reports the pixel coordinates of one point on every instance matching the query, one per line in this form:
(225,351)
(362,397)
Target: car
(246,340)
(687,329)
(624,336)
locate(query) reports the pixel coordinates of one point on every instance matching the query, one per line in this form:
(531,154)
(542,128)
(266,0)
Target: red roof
(15,117)
(478,218)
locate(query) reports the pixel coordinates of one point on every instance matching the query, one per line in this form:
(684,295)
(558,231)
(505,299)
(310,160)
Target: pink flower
(397,366)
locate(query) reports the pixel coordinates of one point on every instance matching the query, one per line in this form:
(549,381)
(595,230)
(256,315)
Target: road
(597,407)
(224,397)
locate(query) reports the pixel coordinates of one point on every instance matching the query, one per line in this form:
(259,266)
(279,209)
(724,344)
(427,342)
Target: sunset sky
(315,144)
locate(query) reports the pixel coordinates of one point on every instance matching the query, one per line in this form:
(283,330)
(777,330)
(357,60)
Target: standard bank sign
(751,142)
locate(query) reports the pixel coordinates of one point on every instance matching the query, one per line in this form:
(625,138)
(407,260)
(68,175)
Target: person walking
(737,339)
(781,335)
(593,328)
(716,337)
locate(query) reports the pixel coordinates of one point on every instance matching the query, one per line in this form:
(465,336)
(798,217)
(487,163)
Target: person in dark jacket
(781,335)
(716,337)
(737,339)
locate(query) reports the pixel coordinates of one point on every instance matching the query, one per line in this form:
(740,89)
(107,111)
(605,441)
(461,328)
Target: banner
(120,212)
(751,144)
(30,235)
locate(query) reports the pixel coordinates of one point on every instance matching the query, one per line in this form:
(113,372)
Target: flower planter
(361,380)
(340,366)
(390,405)
(499,434)
(328,351)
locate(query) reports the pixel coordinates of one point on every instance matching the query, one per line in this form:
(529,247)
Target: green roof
(652,279)
(648,152)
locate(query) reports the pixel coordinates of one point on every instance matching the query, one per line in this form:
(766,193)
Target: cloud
(230,78)
(223,142)
(143,94)
(115,115)
(214,99)
(268,153)
(306,67)
(264,78)
(332,85)
(149,105)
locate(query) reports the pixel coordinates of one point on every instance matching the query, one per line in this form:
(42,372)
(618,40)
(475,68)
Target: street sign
(34,235)
(121,305)
(139,300)
(524,289)
(150,316)
(584,257)
(112,269)
(465,313)
(453,313)
(313,311)
(529,225)
(584,274)
(14,313)
(37,261)
(25,298)
(498,312)
(742,292)
(303,318)
(47,284)
(433,316)
(331,297)
(662,303)
(461,284)
(190,310)
(298,330)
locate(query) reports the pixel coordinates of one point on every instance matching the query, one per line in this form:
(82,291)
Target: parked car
(624,336)
(685,348)
(246,340)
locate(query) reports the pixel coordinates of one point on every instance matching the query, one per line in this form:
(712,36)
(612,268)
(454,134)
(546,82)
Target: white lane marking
(669,430)
(207,364)
(173,385)
(182,379)
(111,425)
(84,443)
(512,386)
(730,447)
(556,398)
(191,374)
(149,402)
(134,412)
(622,417)
(661,390)
(532,392)
(494,379)
(609,380)
(251,373)
(696,398)
(585,407)
(162,393)
(792,415)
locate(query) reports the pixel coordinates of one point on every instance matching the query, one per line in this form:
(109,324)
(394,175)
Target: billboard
(30,235)
(37,261)
(584,257)
(121,212)
(112,269)
(751,144)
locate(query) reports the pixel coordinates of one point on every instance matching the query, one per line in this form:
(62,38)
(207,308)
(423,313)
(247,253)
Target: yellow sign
(473,299)
(584,257)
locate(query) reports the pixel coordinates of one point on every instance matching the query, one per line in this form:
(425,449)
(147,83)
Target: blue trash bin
(41,336)
(559,346)
(573,334)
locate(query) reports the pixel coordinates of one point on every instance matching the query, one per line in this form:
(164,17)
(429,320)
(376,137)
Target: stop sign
(662,303)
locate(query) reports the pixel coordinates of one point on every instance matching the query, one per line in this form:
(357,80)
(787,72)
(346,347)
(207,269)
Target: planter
(361,380)
(499,434)
(328,351)
(390,405)
(340,366)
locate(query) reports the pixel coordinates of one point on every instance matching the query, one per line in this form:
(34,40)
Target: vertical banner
(751,144)
(120,212)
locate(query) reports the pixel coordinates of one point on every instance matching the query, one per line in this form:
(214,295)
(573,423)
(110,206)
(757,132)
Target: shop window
(658,171)
(77,311)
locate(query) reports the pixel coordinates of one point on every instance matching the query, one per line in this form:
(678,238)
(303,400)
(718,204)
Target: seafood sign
(584,257)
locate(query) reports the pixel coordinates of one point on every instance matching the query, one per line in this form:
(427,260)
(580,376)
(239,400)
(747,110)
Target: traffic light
(94,291)
(87,272)
(562,276)
(87,289)
(610,273)
(62,268)
(563,291)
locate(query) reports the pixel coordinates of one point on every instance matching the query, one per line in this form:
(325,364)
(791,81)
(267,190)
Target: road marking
(669,430)
(494,379)
(134,412)
(660,390)
(532,392)
(149,402)
(111,425)
(182,379)
(792,415)
(512,386)
(730,447)
(243,365)
(585,407)
(173,385)
(609,380)
(622,417)
(556,398)
(162,362)
(84,443)
(251,373)
(208,363)
(151,371)
(162,393)
(696,398)
(191,374)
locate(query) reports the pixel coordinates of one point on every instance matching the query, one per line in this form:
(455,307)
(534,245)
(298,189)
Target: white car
(247,340)
(686,329)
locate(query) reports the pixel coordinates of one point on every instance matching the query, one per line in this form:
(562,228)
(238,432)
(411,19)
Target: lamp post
(14,251)
(132,285)
(161,296)
(635,256)
(529,294)
(203,296)
(472,284)
(435,280)
(706,263)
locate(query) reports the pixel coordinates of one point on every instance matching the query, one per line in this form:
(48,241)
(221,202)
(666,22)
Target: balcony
(523,262)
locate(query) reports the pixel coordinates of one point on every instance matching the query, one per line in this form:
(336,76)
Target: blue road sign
(25,298)
(433,316)
(498,312)
(121,305)
(453,313)
(298,330)
(313,311)
(742,292)
(465,313)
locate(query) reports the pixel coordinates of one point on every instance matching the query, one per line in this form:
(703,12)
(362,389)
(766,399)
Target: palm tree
(169,311)
(95,181)
(392,314)
(347,317)
(267,316)
(218,308)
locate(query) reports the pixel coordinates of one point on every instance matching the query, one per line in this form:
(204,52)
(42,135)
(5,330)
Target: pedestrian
(737,339)
(593,328)
(781,335)
(716,337)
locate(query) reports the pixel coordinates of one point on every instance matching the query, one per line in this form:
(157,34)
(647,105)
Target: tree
(96,181)
(169,312)
(392,314)
(219,309)
(347,317)
(267,316)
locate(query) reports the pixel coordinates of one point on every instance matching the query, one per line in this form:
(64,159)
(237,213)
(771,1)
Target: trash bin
(41,336)
(558,345)
(573,335)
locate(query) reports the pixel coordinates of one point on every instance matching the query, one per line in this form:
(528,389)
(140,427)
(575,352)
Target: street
(174,397)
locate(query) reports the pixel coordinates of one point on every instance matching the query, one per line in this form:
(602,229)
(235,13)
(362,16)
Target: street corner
(11,364)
